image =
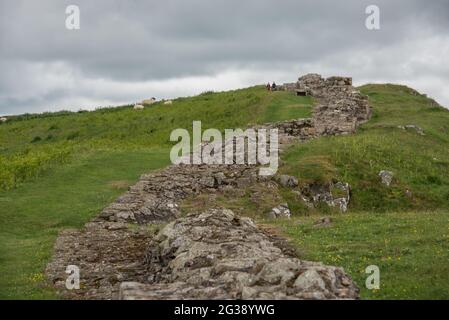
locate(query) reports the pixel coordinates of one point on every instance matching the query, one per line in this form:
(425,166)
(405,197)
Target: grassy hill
(406,234)
(59,170)
(420,163)
(29,144)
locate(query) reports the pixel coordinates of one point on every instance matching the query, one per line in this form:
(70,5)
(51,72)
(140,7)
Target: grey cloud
(136,42)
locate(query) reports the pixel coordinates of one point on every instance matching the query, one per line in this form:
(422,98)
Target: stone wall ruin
(213,254)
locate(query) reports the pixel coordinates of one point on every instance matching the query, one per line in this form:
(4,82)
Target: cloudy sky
(125,51)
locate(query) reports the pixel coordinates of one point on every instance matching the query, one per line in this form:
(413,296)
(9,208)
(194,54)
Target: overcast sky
(125,51)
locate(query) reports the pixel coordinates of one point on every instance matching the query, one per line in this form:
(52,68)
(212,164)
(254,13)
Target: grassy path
(286,106)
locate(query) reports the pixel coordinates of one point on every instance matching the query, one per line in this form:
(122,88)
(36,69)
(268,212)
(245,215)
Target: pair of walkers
(271,87)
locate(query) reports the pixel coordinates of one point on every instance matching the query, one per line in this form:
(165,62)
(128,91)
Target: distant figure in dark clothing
(268,86)
(273,86)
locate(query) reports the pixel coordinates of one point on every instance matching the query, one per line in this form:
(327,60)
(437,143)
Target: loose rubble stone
(334,194)
(386,177)
(280,211)
(106,255)
(344,195)
(219,255)
(287,181)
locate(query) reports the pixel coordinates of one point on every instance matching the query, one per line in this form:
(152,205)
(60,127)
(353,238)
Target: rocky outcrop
(118,249)
(287,181)
(218,255)
(335,194)
(386,177)
(280,211)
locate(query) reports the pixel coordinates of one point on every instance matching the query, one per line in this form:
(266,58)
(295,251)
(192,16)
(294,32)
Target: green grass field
(58,170)
(287,106)
(66,197)
(31,144)
(410,248)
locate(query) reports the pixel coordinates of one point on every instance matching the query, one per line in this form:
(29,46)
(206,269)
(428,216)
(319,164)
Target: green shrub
(30,163)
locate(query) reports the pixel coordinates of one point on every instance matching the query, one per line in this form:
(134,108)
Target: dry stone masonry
(218,255)
(341,107)
(130,252)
